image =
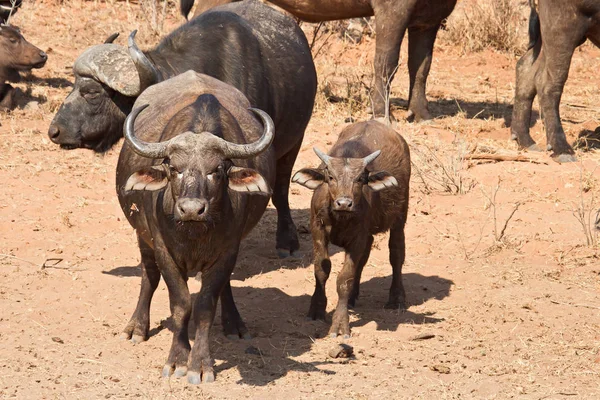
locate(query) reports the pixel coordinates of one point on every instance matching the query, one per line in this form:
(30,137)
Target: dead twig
(575,305)
(503,157)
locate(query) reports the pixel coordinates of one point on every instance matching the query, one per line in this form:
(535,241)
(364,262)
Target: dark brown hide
(559,28)
(422,19)
(353,202)
(178,245)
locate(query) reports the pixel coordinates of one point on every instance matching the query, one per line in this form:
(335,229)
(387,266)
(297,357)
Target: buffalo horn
(371,157)
(233,150)
(111,38)
(144,149)
(324,157)
(146,70)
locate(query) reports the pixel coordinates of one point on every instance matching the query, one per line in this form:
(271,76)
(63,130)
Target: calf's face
(18,53)
(345,179)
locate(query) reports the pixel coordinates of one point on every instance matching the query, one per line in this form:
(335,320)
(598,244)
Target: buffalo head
(17,53)
(197,168)
(108,78)
(345,179)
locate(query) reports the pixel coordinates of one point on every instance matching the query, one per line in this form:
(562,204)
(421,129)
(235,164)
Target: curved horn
(324,157)
(232,150)
(371,157)
(146,70)
(144,149)
(111,38)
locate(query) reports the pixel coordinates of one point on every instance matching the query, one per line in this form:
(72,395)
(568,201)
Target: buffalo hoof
(513,136)
(335,335)
(167,371)
(137,339)
(421,116)
(193,378)
(180,372)
(534,147)
(564,158)
(245,336)
(395,305)
(316,313)
(208,377)
(283,253)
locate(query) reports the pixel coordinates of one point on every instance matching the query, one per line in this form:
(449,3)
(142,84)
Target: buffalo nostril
(53,132)
(43,54)
(201,209)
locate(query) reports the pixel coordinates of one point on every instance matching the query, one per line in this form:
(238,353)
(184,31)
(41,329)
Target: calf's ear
(247,180)
(150,178)
(309,177)
(381,180)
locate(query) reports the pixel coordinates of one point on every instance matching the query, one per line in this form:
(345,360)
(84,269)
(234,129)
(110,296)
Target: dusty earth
(512,313)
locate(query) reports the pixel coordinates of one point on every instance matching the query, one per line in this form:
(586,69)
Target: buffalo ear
(381,180)
(150,178)
(309,178)
(247,180)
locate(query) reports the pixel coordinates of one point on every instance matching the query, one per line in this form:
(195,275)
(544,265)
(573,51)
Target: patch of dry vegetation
(496,24)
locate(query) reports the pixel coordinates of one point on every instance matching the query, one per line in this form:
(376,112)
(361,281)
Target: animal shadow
(279,334)
(419,289)
(471,109)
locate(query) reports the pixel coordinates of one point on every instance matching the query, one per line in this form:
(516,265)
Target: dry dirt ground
(514,312)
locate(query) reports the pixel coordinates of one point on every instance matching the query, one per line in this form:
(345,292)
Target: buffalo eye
(13,40)
(174,170)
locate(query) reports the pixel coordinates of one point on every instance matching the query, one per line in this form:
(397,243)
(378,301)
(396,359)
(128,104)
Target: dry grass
(497,24)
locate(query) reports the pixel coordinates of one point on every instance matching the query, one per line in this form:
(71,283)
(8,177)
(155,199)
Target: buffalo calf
(16,54)
(361,189)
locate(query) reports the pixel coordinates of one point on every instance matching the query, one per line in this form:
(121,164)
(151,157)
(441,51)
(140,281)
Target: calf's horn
(371,157)
(324,157)
(233,150)
(144,149)
(146,70)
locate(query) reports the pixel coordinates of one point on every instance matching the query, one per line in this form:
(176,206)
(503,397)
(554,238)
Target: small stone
(253,350)
(341,350)
(442,369)
(58,340)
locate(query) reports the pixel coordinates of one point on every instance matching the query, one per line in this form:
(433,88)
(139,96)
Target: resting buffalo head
(198,169)
(345,179)
(17,53)
(108,78)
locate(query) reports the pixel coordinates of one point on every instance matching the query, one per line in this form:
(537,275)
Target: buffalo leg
(397,299)
(392,23)
(181,310)
(561,36)
(525,92)
(287,236)
(359,269)
(139,324)
(233,325)
(7,94)
(345,282)
(214,281)
(420,53)
(318,302)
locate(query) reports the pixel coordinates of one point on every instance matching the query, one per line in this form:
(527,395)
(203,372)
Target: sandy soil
(512,314)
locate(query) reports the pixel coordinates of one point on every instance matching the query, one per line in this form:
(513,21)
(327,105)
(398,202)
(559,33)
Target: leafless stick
(503,157)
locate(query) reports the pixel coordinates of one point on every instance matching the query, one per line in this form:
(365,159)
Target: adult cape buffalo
(248,45)
(193,179)
(422,18)
(556,29)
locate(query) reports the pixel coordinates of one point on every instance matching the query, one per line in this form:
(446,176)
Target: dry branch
(503,157)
